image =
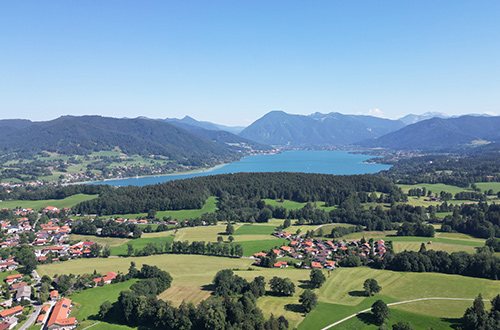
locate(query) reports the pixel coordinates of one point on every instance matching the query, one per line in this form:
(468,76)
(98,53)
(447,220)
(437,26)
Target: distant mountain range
(438,133)
(222,137)
(280,128)
(86,134)
(412,119)
(188,138)
(205,124)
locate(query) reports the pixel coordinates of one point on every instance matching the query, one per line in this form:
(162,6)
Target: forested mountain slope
(86,134)
(438,133)
(280,128)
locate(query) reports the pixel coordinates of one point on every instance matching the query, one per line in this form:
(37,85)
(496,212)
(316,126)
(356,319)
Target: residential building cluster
(321,253)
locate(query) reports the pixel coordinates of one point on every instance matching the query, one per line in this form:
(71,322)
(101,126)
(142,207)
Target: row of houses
(8,317)
(81,249)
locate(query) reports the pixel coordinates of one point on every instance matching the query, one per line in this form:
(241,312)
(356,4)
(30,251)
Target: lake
(307,161)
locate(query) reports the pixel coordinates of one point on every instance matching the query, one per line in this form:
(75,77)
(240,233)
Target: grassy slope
(41,204)
(341,296)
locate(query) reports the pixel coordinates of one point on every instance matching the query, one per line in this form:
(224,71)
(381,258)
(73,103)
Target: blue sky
(231,62)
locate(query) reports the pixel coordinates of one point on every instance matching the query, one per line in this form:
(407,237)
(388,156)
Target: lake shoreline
(338,162)
(201,170)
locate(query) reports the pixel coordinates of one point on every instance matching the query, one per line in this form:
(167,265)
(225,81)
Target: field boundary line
(397,303)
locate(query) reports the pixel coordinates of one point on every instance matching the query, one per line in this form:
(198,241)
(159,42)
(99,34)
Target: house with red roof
(280,264)
(59,318)
(43,314)
(11,312)
(286,249)
(316,265)
(54,294)
(16,286)
(106,278)
(13,278)
(259,254)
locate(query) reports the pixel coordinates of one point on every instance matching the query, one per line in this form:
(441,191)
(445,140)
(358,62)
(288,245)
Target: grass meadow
(41,204)
(291,205)
(86,303)
(341,295)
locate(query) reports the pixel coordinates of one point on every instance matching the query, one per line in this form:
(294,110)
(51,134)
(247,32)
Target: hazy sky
(231,62)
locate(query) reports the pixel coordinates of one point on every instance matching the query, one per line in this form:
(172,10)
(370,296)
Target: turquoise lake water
(307,161)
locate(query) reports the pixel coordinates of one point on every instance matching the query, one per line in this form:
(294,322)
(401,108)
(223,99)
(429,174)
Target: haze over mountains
(188,138)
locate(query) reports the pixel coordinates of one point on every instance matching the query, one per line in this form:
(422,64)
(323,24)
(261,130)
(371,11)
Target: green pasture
(186,270)
(139,244)
(252,247)
(41,204)
(341,295)
(291,205)
(436,188)
(418,321)
(254,230)
(485,186)
(86,303)
(415,246)
(209,207)
(457,239)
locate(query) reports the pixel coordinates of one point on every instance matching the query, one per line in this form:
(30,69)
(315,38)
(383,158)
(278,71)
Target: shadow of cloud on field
(357,293)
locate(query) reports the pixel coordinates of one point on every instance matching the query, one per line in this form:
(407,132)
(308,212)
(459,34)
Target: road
(397,303)
(29,322)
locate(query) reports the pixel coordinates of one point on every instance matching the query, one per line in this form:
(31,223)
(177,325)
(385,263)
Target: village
(316,253)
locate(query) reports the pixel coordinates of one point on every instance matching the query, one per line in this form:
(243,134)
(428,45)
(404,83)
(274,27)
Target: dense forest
(479,220)
(456,171)
(192,193)
(483,264)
